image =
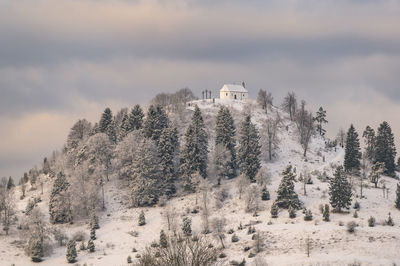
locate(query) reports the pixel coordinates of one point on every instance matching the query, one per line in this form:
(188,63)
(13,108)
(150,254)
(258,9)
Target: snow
(284,237)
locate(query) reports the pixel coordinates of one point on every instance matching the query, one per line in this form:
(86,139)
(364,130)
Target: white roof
(233,88)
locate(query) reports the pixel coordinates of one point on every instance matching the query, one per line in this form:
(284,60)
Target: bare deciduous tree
(341,136)
(252,199)
(269,136)
(305,127)
(290,104)
(218,226)
(242,183)
(264,99)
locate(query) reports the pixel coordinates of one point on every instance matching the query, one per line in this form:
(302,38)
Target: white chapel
(233,92)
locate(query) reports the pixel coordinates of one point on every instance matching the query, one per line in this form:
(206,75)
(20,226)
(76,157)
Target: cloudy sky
(61,60)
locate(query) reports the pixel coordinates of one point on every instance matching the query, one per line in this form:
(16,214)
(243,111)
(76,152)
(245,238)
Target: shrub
(308,216)
(274,211)
(292,212)
(355,215)
(351,227)
(235,238)
(231,231)
(142,219)
(371,221)
(389,221)
(356,205)
(129,259)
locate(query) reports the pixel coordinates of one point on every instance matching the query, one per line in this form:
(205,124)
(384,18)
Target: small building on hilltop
(233,92)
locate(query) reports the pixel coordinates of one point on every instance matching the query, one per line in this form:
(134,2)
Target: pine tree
(187,226)
(249,149)
(274,210)
(398,196)
(156,121)
(46,166)
(265,194)
(136,118)
(71,251)
(142,219)
(36,250)
(163,239)
(94,221)
(90,246)
(167,148)
(385,150)
(287,197)
(59,204)
(92,233)
(325,213)
(82,246)
(340,190)
(105,120)
(125,127)
(147,179)
(352,152)
(194,154)
(369,141)
(225,134)
(10,183)
(321,119)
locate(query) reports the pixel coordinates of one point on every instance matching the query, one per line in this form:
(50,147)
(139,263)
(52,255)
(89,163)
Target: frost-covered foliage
(60,202)
(340,190)
(287,197)
(249,149)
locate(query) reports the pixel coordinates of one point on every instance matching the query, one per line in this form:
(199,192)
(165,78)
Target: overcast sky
(61,60)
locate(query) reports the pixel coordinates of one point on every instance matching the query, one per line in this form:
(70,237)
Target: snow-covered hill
(284,238)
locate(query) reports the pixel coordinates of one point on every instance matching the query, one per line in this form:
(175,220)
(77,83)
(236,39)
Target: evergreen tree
(321,119)
(82,246)
(147,180)
(71,251)
(59,204)
(274,210)
(94,221)
(325,213)
(194,154)
(125,127)
(92,233)
(107,125)
(46,166)
(36,250)
(265,194)
(90,246)
(385,151)
(136,118)
(167,148)
(249,149)
(156,121)
(142,219)
(352,152)
(105,120)
(287,197)
(369,141)
(398,196)
(187,226)
(10,183)
(163,239)
(225,134)
(340,190)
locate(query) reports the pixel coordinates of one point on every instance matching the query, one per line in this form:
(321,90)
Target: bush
(325,213)
(371,221)
(308,216)
(355,215)
(142,219)
(251,230)
(356,205)
(79,236)
(274,211)
(129,259)
(351,227)
(389,221)
(235,238)
(292,212)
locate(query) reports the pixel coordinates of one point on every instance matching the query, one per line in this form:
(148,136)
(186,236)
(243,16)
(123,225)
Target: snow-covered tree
(194,153)
(125,127)
(156,121)
(7,205)
(305,127)
(148,181)
(37,235)
(385,150)
(168,146)
(287,197)
(125,153)
(290,104)
(60,203)
(321,119)
(79,132)
(220,160)
(187,226)
(377,170)
(107,125)
(225,135)
(397,202)
(163,239)
(340,190)
(136,118)
(341,136)
(269,136)
(91,246)
(352,152)
(369,141)
(71,251)
(218,226)
(264,99)
(249,149)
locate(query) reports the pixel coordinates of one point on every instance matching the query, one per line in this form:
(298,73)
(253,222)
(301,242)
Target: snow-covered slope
(284,237)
